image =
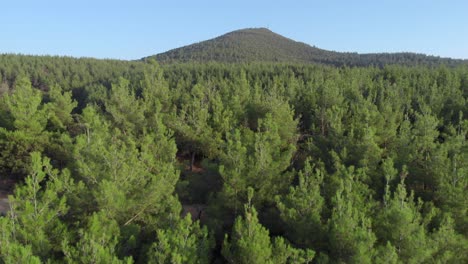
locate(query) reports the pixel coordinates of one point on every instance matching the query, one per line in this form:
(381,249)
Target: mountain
(263,45)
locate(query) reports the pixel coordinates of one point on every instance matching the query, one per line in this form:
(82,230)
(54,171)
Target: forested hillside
(263,45)
(135,162)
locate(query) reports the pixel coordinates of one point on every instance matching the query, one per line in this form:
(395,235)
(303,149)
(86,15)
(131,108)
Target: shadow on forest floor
(6,188)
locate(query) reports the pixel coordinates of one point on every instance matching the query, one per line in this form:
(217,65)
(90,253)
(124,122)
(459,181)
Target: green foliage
(186,242)
(401,223)
(126,111)
(28,119)
(301,208)
(192,124)
(283,252)
(126,179)
(250,242)
(386,254)
(60,108)
(233,170)
(24,106)
(351,239)
(450,247)
(11,251)
(258,159)
(453,182)
(34,220)
(350,165)
(97,243)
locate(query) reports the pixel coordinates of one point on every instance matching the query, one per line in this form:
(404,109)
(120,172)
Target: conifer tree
(186,242)
(450,247)
(256,159)
(37,208)
(60,108)
(97,243)
(127,181)
(301,208)
(452,181)
(126,111)
(24,106)
(250,242)
(12,251)
(28,120)
(351,239)
(401,223)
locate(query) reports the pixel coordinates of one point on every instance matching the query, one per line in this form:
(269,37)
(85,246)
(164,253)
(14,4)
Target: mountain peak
(243,45)
(263,45)
(259,29)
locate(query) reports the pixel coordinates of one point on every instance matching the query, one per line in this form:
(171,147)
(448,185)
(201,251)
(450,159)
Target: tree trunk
(192,161)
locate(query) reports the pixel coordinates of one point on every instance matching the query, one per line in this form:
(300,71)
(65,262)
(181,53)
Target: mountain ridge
(263,45)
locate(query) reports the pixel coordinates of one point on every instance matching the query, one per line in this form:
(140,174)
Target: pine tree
(351,239)
(424,147)
(26,134)
(301,208)
(25,108)
(256,159)
(233,170)
(400,223)
(126,111)
(154,89)
(452,181)
(128,180)
(186,242)
(450,247)
(385,254)
(97,243)
(250,242)
(37,208)
(59,108)
(12,251)
(192,125)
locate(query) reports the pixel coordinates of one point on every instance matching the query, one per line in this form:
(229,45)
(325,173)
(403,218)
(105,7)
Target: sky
(134,29)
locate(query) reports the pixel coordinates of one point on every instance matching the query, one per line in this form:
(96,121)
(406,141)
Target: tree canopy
(135,162)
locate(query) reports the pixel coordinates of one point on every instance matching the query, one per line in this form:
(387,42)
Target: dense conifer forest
(108,161)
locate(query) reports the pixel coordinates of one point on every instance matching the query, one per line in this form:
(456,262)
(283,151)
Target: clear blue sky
(134,29)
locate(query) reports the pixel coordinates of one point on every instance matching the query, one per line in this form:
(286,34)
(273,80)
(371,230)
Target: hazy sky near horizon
(136,28)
